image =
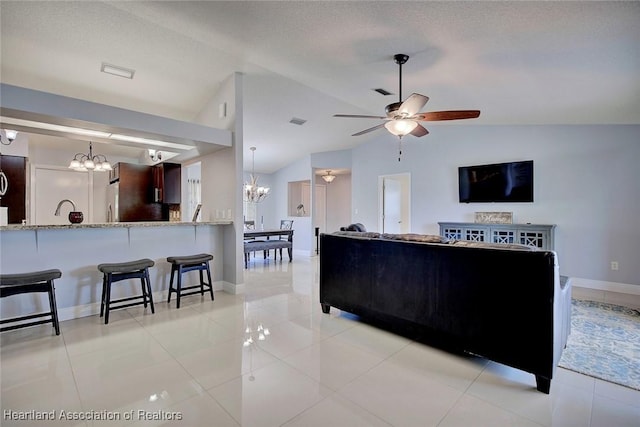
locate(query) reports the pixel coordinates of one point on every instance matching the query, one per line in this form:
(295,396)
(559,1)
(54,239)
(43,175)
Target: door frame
(405,208)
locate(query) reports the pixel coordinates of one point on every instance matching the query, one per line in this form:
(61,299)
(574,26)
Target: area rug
(604,343)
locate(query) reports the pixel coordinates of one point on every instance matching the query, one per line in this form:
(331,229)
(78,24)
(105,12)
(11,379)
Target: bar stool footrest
(117,301)
(24,325)
(194,292)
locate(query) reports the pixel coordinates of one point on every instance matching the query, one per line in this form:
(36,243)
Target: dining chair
(251,225)
(285,224)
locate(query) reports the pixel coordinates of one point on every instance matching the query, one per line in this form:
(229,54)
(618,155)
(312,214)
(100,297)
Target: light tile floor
(312,369)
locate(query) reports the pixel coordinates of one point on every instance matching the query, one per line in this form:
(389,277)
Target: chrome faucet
(60,205)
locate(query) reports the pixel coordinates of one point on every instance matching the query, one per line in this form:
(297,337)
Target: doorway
(394,195)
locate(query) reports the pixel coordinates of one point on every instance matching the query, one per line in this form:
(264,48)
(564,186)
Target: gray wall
(585,181)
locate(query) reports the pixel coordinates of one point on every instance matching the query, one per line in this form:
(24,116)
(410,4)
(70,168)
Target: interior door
(391,205)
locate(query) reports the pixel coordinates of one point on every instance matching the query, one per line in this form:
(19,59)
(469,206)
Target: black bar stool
(22,283)
(184,264)
(115,272)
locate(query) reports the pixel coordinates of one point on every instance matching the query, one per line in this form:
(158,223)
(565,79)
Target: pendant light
(252,192)
(328,178)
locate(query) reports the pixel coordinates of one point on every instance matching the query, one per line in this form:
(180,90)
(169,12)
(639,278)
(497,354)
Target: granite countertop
(17,227)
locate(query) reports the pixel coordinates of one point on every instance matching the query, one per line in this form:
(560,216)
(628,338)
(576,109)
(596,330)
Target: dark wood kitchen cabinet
(15,169)
(166,183)
(132,186)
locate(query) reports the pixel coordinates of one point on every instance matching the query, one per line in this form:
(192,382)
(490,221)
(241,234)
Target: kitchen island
(77,249)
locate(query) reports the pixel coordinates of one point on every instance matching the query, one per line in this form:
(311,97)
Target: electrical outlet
(614,265)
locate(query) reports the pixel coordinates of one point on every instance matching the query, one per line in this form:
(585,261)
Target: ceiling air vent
(297,121)
(382,91)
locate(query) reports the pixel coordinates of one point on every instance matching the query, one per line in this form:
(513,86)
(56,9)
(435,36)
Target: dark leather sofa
(506,303)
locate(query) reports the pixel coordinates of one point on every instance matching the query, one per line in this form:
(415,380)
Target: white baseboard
(233,289)
(622,288)
(610,292)
(93,309)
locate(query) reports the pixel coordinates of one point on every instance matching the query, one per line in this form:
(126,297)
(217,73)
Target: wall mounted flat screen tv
(500,182)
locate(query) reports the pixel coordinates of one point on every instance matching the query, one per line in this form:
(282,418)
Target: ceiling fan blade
(357,116)
(362,132)
(419,131)
(435,116)
(412,104)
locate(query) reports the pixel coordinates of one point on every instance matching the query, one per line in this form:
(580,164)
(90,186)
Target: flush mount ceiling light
(84,162)
(117,70)
(252,192)
(328,178)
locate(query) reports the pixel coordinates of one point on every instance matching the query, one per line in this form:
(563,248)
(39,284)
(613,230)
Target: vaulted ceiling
(518,62)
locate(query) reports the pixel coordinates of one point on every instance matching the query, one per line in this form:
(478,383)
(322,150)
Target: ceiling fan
(402,117)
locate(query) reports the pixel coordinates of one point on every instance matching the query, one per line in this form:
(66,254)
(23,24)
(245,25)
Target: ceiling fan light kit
(403,117)
(401,127)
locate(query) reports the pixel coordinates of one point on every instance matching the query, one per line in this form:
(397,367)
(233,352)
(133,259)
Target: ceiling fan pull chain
(399,148)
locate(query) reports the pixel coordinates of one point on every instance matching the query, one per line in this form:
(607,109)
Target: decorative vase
(76,217)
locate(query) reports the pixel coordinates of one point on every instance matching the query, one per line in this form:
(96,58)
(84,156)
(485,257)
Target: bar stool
(22,283)
(115,272)
(184,264)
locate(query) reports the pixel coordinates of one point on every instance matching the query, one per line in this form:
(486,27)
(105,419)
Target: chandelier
(84,162)
(328,178)
(252,192)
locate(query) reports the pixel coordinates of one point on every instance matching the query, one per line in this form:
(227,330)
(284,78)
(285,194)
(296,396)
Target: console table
(538,235)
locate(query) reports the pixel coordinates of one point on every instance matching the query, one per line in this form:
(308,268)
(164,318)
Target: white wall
(218,197)
(585,181)
(222,173)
